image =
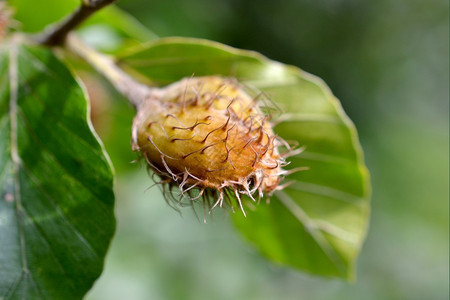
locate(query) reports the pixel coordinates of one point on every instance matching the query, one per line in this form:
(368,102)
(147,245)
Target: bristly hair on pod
(206,137)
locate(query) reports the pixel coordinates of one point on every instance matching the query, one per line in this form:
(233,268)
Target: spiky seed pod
(207,133)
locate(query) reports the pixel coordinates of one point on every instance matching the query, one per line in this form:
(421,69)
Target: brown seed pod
(206,133)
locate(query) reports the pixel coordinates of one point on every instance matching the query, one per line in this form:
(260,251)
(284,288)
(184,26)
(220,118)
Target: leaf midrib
(312,229)
(13,106)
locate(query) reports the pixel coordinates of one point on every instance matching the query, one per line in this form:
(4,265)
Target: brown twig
(55,34)
(59,34)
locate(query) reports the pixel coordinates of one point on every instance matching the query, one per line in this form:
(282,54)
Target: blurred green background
(388,63)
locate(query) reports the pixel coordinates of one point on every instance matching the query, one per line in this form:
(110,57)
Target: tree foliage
(56,196)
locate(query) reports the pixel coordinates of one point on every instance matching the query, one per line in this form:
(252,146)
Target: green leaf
(318,223)
(56,197)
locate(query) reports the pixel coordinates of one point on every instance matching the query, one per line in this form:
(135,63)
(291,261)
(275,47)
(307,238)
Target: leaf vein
(342,234)
(328,192)
(175,60)
(46,241)
(312,229)
(32,133)
(59,210)
(309,117)
(33,282)
(38,63)
(57,120)
(14,286)
(13,108)
(315,156)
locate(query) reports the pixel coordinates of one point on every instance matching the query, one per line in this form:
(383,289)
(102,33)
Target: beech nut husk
(207,134)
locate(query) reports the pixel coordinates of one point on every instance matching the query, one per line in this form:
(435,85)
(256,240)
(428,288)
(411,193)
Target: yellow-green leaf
(319,222)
